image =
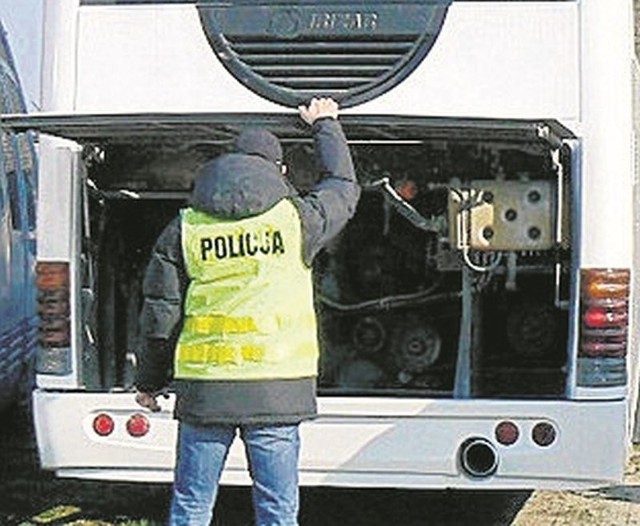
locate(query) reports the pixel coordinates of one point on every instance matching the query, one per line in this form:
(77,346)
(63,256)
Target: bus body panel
(468,73)
(59,234)
(354,442)
(607,136)
(56,212)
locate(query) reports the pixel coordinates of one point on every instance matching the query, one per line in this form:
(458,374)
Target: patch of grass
(119,522)
(55,514)
(100,522)
(60,515)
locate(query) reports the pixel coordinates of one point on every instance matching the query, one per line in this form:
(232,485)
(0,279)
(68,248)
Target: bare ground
(613,506)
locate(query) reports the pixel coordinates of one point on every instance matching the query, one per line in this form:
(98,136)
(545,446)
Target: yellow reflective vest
(249,306)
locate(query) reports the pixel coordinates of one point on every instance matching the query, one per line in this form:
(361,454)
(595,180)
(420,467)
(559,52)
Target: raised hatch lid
(122,129)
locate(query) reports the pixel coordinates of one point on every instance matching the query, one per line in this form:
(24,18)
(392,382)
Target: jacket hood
(237,185)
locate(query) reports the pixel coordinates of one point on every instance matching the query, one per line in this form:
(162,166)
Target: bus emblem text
(354,21)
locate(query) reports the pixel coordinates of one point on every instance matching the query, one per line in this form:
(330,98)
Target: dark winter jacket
(237,186)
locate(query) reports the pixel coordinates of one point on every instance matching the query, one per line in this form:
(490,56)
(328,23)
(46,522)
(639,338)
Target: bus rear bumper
(362,442)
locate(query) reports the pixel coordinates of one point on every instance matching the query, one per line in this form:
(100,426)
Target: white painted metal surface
(157,58)
(355,442)
(606,111)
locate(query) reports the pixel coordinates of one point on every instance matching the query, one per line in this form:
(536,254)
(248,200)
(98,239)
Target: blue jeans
(272,453)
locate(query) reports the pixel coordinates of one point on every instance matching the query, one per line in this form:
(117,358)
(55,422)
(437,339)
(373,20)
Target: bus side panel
(18,330)
(9,318)
(17,243)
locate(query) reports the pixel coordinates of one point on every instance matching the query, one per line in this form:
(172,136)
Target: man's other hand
(148,400)
(319,109)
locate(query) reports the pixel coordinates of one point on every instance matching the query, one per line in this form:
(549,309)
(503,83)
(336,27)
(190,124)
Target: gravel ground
(601,508)
(613,506)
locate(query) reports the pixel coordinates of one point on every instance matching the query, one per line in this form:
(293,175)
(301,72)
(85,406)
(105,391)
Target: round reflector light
(507,433)
(138,425)
(103,425)
(544,434)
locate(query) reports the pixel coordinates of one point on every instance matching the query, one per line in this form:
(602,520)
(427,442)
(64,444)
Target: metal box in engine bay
(503,215)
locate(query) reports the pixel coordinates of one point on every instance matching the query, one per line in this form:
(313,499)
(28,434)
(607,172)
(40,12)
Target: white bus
(477,317)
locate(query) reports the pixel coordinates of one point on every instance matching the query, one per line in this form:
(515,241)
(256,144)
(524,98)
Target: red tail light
(603,316)
(138,425)
(605,312)
(103,425)
(52,275)
(54,356)
(52,279)
(507,433)
(604,325)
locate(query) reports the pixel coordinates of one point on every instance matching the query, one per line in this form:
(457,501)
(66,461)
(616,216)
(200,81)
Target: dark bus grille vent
(290,53)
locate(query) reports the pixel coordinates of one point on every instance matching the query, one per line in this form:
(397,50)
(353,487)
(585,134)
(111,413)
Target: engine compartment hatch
(221,128)
(451,279)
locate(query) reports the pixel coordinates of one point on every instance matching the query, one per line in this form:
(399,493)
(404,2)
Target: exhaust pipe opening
(478,458)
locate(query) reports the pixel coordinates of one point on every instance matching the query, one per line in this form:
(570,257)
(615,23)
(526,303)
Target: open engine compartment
(451,279)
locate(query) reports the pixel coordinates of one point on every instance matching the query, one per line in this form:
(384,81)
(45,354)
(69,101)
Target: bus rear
(475,317)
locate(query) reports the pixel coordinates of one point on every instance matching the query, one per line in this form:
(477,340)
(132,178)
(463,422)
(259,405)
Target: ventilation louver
(290,51)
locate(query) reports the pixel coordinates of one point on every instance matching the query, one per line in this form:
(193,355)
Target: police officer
(228,307)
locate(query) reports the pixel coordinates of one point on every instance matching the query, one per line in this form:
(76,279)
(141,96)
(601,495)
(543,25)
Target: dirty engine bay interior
(450,281)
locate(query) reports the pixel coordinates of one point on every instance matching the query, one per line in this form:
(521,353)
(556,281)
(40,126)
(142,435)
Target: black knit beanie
(258,141)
